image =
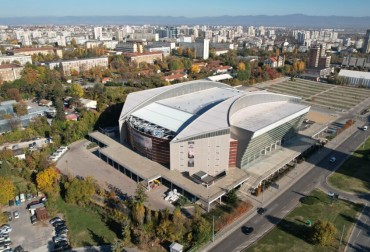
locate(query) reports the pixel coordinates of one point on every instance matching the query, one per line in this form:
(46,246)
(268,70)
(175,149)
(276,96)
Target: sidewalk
(284,184)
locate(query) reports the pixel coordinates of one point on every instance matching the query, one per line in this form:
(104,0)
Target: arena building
(208,126)
(203,136)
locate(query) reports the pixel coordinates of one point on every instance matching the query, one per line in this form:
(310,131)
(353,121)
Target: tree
(7,190)
(231,198)
(140,194)
(201,230)
(117,245)
(323,232)
(47,179)
(20,108)
(75,90)
(195,69)
(80,191)
(241,66)
(13,93)
(138,212)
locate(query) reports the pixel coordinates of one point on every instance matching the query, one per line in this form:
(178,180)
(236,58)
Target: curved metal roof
(177,107)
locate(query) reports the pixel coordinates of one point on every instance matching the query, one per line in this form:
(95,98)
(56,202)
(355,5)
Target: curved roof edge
(218,117)
(140,99)
(258,97)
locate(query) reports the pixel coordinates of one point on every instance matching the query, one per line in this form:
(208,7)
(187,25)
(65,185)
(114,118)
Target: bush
(308,200)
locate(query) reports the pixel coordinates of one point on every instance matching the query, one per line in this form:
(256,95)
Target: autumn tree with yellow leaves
(47,179)
(7,190)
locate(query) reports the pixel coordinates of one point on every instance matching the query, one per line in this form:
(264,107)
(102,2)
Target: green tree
(323,232)
(80,191)
(201,230)
(231,198)
(7,190)
(140,194)
(138,212)
(75,90)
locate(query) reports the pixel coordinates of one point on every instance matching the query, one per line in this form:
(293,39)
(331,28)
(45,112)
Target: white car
(364,128)
(16,214)
(5,229)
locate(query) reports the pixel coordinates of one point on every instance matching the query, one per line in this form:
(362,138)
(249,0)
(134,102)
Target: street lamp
(213,228)
(263,189)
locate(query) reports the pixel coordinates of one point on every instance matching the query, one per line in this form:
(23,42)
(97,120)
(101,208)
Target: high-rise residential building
(313,60)
(366,45)
(98,32)
(318,58)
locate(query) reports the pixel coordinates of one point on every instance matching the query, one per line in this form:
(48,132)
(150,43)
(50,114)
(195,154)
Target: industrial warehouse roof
(354,74)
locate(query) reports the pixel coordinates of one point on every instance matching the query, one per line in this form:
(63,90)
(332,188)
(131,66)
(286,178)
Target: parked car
(5,229)
(11,202)
(4,237)
(16,214)
(22,197)
(59,238)
(28,196)
(332,159)
(55,219)
(33,219)
(62,231)
(61,227)
(364,128)
(31,204)
(59,223)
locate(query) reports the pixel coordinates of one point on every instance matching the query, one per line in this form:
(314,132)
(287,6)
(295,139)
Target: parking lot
(32,237)
(79,161)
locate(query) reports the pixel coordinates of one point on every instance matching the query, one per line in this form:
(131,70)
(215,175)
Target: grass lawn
(87,227)
(354,174)
(291,234)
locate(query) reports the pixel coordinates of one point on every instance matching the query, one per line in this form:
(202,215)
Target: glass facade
(267,142)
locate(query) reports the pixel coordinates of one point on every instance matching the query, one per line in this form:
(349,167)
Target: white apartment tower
(98,33)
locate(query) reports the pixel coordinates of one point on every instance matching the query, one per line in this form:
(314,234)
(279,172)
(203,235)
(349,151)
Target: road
(283,204)
(39,143)
(360,238)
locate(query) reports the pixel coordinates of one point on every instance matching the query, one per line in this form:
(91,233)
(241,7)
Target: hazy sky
(187,8)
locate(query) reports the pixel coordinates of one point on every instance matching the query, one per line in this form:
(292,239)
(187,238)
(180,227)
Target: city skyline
(192,8)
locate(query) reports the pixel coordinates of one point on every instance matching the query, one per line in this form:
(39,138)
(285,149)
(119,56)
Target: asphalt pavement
(283,204)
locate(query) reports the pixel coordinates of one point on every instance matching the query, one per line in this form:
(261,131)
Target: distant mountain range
(294,20)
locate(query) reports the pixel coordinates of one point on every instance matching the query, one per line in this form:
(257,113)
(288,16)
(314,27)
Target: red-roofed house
(71,117)
(174,77)
(274,62)
(222,69)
